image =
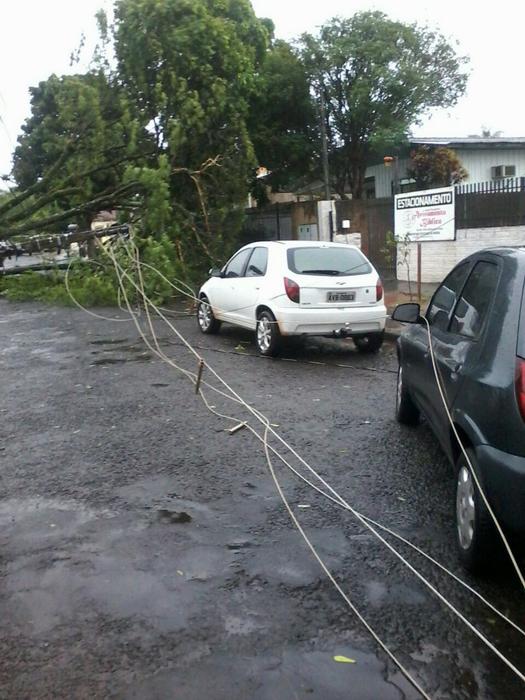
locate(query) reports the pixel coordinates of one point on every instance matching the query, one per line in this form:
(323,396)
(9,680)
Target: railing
(491,204)
(507,184)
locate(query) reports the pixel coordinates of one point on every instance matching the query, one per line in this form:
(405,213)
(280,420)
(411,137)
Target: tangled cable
(126,278)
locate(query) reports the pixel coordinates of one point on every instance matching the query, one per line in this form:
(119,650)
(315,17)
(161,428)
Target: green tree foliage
(282,120)
(435,167)
(190,67)
(157,129)
(94,283)
(377,78)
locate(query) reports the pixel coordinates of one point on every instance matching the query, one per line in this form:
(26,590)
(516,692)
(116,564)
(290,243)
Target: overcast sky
(37,38)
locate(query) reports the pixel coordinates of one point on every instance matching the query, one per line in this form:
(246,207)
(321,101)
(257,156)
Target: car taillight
(293,291)
(520,385)
(379,290)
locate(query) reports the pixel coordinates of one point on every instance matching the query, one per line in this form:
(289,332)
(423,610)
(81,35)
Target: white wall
(384,176)
(438,258)
(324,207)
(477,162)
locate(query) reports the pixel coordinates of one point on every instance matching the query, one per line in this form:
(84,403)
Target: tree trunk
(358,167)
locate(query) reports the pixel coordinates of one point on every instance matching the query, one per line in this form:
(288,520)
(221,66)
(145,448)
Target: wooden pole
(199,376)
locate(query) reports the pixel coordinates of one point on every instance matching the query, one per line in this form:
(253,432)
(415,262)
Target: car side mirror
(407,313)
(215,272)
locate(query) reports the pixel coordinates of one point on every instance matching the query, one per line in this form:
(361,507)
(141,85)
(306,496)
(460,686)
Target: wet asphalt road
(145,553)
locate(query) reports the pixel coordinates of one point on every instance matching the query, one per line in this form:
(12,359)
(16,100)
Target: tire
(267,335)
(369,343)
(406,410)
(207,322)
(476,535)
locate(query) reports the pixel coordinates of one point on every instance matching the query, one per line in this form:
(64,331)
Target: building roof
(470,141)
(478,143)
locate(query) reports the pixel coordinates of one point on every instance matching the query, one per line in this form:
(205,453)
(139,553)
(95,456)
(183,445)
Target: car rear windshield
(310,260)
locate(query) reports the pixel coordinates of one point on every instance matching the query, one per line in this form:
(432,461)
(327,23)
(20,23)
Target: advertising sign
(428,215)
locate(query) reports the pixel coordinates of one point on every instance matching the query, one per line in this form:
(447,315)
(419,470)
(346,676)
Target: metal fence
(491,204)
(507,184)
(273,222)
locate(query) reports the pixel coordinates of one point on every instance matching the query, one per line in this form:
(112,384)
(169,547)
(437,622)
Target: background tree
(377,77)
(487,133)
(282,120)
(435,167)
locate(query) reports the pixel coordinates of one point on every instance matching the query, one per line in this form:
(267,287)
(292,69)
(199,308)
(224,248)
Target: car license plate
(341,296)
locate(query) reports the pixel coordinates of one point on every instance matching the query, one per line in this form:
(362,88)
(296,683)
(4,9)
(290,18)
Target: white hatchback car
(294,288)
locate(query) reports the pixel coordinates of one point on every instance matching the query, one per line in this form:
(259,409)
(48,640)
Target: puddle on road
(173,517)
(378,594)
(241,626)
(278,676)
(134,352)
(284,562)
(203,563)
(109,341)
(239,544)
(61,568)
(45,514)
(139,357)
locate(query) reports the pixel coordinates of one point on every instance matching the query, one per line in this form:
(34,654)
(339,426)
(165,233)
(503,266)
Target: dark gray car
(477,324)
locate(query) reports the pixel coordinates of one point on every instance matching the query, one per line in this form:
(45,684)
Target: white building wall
(439,257)
(479,163)
(384,176)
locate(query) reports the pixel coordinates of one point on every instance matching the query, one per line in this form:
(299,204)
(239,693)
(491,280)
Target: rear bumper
(300,321)
(503,477)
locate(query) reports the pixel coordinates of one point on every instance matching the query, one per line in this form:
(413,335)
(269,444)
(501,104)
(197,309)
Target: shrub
(94,283)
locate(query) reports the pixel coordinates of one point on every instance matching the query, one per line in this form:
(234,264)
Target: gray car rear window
(310,260)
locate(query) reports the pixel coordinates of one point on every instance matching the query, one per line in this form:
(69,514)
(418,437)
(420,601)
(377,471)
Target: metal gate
(373,219)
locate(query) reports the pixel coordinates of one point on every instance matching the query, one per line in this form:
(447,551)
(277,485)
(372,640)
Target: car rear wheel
(267,335)
(406,410)
(205,318)
(370,342)
(476,535)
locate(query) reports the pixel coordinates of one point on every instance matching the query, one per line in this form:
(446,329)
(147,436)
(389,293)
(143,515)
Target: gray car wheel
(406,410)
(369,343)
(267,335)
(205,318)
(476,535)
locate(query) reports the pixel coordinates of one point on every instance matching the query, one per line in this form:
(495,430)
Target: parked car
(296,288)
(477,324)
